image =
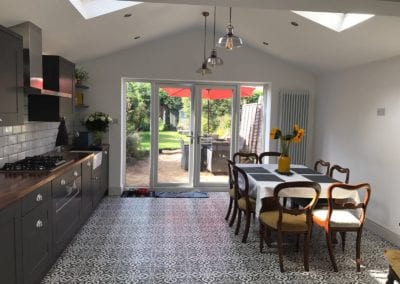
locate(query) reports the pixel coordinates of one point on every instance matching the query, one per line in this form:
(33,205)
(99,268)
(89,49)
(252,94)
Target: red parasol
(211,94)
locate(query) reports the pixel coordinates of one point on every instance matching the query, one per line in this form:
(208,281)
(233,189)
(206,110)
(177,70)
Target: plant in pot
(97,123)
(81,75)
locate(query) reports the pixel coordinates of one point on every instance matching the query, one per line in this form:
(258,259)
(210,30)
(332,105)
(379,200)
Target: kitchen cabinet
(100,177)
(66,199)
(87,190)
(36,234)
(58,76)
(104,169)
(11,78)
(10,240)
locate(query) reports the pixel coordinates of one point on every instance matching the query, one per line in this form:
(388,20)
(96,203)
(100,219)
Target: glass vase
(97,138)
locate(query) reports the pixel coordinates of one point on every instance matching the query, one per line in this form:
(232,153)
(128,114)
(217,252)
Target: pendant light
(214,60)
(204,70)
(230,41)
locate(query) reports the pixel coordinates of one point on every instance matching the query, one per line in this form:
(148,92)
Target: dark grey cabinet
(11,78)
(10,240)
(104,169)
(36,234)
(87,190)
(66,199)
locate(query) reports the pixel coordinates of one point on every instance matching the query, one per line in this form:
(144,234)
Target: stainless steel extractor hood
(33,70)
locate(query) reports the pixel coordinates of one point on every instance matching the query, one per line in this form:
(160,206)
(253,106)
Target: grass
(167,140)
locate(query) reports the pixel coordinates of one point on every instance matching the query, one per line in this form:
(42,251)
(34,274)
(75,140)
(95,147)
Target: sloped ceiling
(310,45)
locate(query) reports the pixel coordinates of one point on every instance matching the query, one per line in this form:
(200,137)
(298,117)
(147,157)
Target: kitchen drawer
(36,198)
(67,178)
(36,243)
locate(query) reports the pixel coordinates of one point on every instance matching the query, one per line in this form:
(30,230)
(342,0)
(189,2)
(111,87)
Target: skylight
(94,8)
(335,21)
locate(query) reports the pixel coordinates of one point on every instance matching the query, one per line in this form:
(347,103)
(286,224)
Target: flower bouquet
(97,123)
(285,140)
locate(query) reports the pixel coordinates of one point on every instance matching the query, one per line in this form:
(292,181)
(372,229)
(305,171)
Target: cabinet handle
(39,224)
(105,152)
(62,182)
(75,173)
(39,197)
(88,164)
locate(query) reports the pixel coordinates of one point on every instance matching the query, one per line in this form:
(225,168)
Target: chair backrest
(245,158)
(267,154)
(241,182)
(313,189)
(350,204)
(231,164)
(345,171)
(321,164)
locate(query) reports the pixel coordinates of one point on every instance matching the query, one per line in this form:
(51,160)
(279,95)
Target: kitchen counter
(14,186)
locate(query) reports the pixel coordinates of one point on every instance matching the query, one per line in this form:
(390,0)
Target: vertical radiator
(293,109)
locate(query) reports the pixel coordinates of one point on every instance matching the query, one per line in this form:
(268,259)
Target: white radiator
(293,108)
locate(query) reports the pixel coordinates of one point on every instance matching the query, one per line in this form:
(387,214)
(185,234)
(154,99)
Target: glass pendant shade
(204,70)
(230,41)
(214,60)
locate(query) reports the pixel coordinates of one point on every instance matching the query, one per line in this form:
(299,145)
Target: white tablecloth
(261,189)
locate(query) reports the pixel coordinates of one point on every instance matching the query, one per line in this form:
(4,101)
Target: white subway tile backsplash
(17,129)
(12,139)
(21,156)
(21,138)
(7,130)
(13,158)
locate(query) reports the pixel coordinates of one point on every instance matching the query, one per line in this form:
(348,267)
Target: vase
(284,164)
(97,137)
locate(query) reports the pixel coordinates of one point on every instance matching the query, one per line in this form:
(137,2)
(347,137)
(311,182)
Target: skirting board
(383,232)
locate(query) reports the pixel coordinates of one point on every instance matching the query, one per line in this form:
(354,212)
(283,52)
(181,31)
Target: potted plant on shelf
(295,136)
(97,123)
(81,75)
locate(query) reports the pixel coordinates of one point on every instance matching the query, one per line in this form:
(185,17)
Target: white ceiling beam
(377,7)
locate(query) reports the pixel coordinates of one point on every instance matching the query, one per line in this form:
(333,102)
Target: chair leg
(247,226)
(229,208)
(330,249)
(343,236)
(306,250)
(238,221)
(262,234)
(358,250)
(235,210)
(280,251)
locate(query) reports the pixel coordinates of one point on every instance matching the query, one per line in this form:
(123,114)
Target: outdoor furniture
(185,156)
(244,157)
(217,154)
(285,220)
(343,217)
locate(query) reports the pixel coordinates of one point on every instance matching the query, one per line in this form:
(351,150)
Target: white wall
(349,132)
(177,57)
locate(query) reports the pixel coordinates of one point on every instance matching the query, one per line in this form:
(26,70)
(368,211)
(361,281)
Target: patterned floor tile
(156,240)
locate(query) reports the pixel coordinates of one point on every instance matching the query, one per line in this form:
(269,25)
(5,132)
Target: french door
(192,135)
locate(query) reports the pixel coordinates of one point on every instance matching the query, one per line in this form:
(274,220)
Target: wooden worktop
(14,186)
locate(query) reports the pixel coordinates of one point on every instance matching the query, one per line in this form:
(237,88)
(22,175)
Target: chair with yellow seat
(284,220)
(343,217)
(245,203)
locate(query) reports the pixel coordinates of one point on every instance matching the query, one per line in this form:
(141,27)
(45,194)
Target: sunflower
(275,133)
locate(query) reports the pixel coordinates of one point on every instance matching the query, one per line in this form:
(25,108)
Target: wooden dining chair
(322,167)
(245,203)
(344,171)
(245,158)
(267,154)
(232,194)
(343,217)
(287,220)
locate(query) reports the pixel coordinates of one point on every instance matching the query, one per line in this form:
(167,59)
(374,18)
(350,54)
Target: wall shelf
(80,86)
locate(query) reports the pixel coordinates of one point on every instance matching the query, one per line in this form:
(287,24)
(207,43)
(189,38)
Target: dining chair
(286,220)
(322,167)
(267,154)
(344,171)
(343,217)
(232,194)
(245,158)
(245,203)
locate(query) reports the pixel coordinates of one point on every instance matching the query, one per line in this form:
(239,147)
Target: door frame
(154,123)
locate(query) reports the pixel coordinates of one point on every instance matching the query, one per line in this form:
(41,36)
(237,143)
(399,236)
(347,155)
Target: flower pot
(284,164)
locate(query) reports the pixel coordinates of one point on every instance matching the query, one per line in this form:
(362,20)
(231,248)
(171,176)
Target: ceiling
(314,47)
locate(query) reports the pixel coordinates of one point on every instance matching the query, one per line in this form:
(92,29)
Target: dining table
(263,178)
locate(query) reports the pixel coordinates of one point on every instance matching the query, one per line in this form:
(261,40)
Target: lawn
(168,140)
